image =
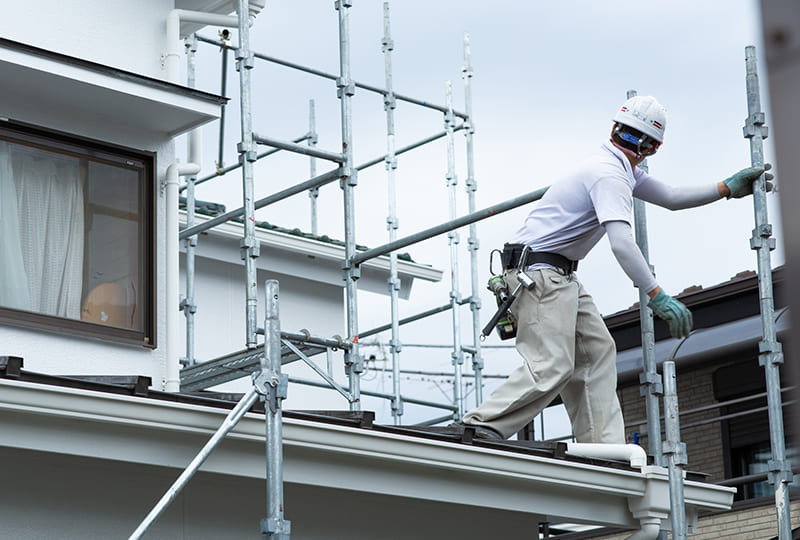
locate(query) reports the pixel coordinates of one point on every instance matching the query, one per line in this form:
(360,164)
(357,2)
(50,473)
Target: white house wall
(125,35)
(120,33)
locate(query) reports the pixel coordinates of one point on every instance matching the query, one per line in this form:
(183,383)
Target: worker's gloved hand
(741,183)
(678,316)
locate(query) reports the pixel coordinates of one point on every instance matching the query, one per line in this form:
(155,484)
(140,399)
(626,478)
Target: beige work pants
(567,350)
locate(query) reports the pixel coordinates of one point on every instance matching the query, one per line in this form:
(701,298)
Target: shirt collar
(616,152)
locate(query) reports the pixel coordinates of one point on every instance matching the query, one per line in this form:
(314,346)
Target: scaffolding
(262,361)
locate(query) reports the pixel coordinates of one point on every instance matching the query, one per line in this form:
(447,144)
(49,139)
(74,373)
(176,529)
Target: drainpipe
(172,67)
(632,453)
(172,378)
(649,531)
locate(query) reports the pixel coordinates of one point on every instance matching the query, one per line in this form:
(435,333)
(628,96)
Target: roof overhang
(323,260)
(90,424)
(80,92)
(703,345)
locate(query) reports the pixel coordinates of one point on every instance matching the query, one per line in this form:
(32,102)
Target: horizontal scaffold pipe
(317,181)
(225,170)
(333,77)
(298,148)
(412,318)
(405,149)
(304,337)
(378,394)
(478,215)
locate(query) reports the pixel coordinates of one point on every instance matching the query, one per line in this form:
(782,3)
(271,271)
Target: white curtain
(50,216)
(13,279)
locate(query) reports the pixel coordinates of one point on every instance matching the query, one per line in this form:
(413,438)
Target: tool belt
(512,252)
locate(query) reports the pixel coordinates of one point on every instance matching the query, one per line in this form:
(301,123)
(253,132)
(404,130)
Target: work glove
(678,316)
(741,183)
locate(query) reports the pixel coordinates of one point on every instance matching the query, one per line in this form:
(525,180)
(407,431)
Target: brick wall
(704,442)
(757,523)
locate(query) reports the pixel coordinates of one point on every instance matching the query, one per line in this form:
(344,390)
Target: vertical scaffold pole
(650,381)
(247,156)
(223,91)
(675,452)
(453,240)
(346,90)
(472,241)
(389,104)
(770,351)
(272,384)
(313,193)
(187,304)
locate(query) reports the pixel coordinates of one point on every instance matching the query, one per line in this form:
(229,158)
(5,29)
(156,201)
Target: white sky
(548,77)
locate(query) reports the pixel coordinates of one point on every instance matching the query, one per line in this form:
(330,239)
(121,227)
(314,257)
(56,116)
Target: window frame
(56,141)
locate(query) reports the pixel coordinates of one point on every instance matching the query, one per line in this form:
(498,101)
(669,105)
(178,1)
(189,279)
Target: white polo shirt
(568,219)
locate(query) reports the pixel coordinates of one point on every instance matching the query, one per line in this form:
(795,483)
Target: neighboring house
(721,395)
(89,286)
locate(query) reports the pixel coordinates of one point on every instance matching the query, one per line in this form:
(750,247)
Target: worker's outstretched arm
(630,258)
(676,198)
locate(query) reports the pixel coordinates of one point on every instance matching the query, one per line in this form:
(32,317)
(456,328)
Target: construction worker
(561,336)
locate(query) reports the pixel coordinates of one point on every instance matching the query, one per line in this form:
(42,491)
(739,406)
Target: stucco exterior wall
(125,35)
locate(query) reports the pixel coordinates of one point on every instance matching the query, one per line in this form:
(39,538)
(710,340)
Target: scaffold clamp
(653,382)
(276,527)
(273,386)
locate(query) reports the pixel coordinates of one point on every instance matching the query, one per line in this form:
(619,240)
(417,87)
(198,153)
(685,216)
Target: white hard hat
(645,114)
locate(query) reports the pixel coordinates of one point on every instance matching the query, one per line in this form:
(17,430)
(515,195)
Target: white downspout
(632,453)
(172,267)
(172,376)
(649,531)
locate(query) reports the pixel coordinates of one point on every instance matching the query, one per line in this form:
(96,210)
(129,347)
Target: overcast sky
(548,78)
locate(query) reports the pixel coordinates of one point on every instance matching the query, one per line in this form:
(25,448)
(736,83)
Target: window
(76,235)
(746,434)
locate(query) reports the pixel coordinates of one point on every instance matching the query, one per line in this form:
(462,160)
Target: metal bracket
(397,407)
(345,88)
(754,125)
(390,163)
(387,45)
(677,449)
(457,357)
(247,61)
(348,177)
(276,526)
(249,249)
(339,3)
(758,242)
(396,344)
(653,382)
(190,42)
(770,358)
(185,305)
(473,244)
(352,272)
(247,151)
(389,102)
(273,386)
(779,471)
(356,365)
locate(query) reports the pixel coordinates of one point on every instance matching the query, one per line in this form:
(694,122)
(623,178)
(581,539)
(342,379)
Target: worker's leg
(590,396)
(546,339)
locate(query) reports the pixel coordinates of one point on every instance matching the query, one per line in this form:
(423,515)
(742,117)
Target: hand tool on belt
(518,256)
